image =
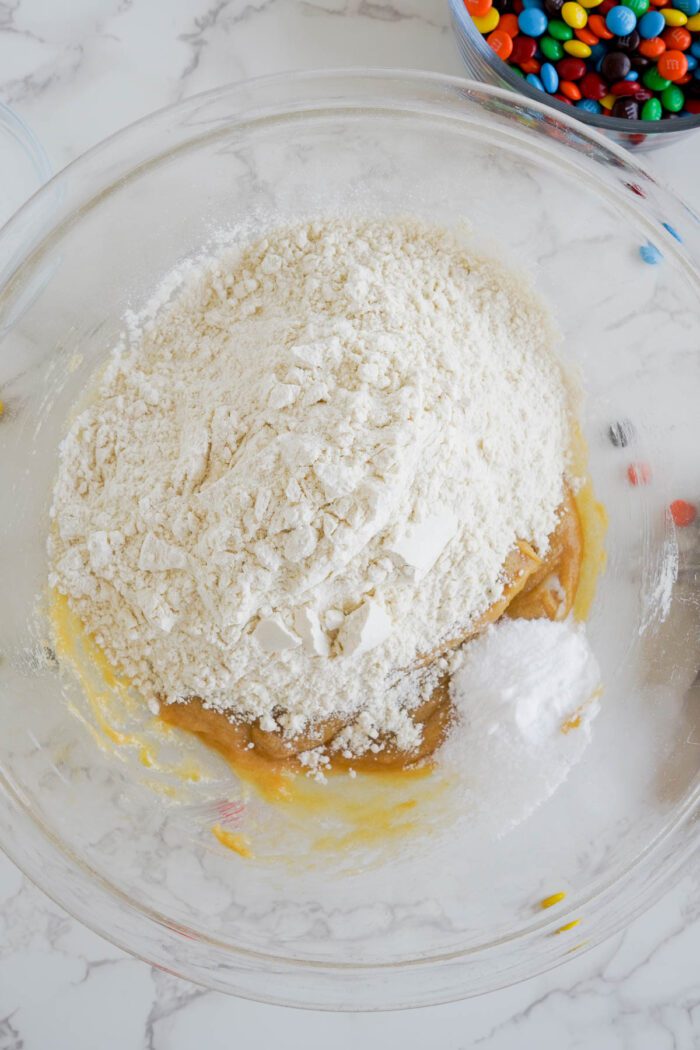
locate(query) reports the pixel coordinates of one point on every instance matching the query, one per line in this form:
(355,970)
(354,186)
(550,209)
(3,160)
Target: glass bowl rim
(27,142)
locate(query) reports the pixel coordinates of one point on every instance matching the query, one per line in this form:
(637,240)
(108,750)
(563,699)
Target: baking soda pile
(525,694)
(304,467)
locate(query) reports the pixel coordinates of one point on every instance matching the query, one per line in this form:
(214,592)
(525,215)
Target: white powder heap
(525,693)
(307,467)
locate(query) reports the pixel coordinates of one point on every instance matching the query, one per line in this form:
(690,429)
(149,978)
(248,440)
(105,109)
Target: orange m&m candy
(652,48)
(587,37)
(672,65)
(598,26)
(501,43)
(478,8)
(678,38)
(571,90)
(509,24)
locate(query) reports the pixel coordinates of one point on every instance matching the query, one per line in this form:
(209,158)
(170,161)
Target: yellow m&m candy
(488,22)
(577,49)
(574,15)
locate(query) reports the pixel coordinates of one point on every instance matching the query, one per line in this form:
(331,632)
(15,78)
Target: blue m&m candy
(621,20)
(651,24)
(549,77)
(532,21)
(673,231)
(650,254)
(688,7)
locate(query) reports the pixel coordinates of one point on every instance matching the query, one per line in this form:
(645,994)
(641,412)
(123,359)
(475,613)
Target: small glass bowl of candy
(630,68)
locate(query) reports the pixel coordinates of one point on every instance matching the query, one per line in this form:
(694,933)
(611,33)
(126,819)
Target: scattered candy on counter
(555,898)
(621,433)
(683,513)
(673,231)
(550,902)
(236,843)
(639,473)
(230,813)
(568,926)
(637,59)
(650,254)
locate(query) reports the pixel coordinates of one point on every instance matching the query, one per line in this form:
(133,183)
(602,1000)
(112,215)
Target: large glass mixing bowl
(449,909)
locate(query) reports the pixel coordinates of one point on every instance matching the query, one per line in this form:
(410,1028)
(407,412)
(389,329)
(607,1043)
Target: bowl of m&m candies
(628,67)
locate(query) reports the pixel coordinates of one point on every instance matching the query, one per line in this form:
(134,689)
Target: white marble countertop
(77,72)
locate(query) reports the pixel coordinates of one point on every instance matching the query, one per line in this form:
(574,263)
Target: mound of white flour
(306,466)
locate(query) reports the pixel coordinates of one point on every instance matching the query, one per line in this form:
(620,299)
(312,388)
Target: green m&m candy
(551,49)
(673,99)
(560,30)
(640,7)
(654,81)
(651,110)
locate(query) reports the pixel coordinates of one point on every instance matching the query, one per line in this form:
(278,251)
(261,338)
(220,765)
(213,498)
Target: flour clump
(305,469)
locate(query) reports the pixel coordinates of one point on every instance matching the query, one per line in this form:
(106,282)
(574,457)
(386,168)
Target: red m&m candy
(593,86)
(571,68)
(683,513)
(524,48)
(639,473)
(624,88)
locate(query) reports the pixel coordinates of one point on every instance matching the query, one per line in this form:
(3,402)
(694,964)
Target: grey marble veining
(76,73)
(62,986)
